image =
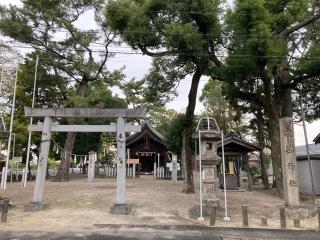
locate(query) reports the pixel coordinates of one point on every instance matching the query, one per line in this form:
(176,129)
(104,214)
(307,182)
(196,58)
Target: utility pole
(4,186)
(307,147)
(31,119)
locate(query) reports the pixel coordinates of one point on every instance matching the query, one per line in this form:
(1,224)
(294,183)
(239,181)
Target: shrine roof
(146,128)
(317,139)
(240,144)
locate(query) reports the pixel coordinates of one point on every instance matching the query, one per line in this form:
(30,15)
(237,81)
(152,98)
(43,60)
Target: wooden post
(5,208)
(213,215)
(283,223)
(318,210)
(245,220)
(264,221)
(296,222)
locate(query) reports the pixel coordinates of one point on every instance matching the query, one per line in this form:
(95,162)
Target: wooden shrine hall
(236,152)
(147,146)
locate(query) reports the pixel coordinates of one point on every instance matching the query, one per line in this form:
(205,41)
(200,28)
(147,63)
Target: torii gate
(120,207)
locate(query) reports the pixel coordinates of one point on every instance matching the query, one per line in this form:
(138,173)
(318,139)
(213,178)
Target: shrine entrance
(148,146)
(49,126)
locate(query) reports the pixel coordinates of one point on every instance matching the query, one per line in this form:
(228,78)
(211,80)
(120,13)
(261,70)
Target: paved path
(181,232)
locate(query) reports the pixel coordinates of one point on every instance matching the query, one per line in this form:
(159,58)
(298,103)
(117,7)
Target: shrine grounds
(78,206)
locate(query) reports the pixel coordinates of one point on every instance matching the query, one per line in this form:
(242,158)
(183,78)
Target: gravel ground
(81,206)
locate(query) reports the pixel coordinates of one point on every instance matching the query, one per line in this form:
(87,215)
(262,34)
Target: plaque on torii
(48,126)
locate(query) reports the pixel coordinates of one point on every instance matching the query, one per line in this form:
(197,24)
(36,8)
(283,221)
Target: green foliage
(171,130)
(255,173)
(229,119)
(107,159)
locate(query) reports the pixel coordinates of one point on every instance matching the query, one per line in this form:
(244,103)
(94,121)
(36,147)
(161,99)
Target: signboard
(133,161)
(17,159)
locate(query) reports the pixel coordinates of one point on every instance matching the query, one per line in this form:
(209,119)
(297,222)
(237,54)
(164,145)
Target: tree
(184,34)
(74,57)
(266,61)
(229,118)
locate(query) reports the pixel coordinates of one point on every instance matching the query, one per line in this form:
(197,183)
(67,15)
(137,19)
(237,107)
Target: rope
(63,150)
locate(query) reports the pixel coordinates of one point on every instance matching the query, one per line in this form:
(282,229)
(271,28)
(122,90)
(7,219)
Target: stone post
(174,168)
(91,166)
(289,163)
(37,199)
(154,170)
(2,177)
(133,171)
(121,206)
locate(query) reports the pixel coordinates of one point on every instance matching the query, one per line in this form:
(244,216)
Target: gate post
(37,199)
(121,207)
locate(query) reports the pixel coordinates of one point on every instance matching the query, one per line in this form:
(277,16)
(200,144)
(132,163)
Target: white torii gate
(48,126)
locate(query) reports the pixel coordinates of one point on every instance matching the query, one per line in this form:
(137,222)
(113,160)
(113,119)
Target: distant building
(304,178)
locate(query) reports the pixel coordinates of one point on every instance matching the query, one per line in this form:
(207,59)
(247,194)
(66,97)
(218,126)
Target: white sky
(137,66)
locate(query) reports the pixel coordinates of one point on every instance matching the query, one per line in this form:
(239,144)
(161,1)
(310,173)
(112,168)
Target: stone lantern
(207,135)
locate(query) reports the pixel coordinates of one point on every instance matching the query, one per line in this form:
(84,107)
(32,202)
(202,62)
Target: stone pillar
(289,163)
(121,206)
(174,168)
(154,170)
(2,177)
(91,166)
(134,171)
(37,199)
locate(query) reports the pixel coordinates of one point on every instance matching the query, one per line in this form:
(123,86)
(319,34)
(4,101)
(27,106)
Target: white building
(304,176)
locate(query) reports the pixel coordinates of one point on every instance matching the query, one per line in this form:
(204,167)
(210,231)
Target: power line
(179,53)
(223,35)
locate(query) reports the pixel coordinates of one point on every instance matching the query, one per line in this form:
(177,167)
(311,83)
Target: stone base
(206,209)
(300,212)
(35,206)
(122,209)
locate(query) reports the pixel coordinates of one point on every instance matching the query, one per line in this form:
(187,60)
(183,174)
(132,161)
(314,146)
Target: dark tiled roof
(236,140)
(144,125)
(313,150)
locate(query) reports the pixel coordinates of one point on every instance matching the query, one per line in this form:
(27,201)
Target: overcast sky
(137,66)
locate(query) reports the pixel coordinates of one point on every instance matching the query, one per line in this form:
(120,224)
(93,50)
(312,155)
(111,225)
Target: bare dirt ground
(81,206)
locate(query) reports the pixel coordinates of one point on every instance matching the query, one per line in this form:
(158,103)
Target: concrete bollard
(213,215)
(5,208)
(296,222)
(283,222)
(245,220)
(264,221)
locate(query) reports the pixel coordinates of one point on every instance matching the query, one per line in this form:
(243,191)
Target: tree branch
(298,26)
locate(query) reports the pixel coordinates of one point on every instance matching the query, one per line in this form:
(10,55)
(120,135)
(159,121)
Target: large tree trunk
(63,171)
(187,131)
(261,138)
(276,153)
